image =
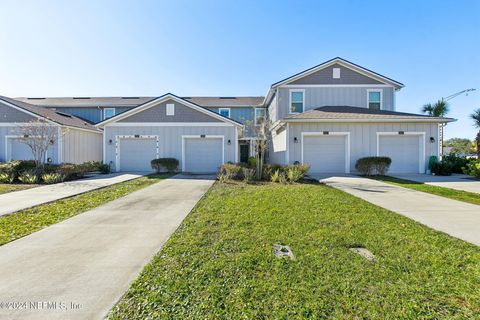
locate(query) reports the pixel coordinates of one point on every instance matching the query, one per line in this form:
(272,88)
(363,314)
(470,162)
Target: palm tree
(437,109)
(476,122)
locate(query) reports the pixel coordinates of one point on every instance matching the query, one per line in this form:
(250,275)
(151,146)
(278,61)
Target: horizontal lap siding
(170,139)
(363,137)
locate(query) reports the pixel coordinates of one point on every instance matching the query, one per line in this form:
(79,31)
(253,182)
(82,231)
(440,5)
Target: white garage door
(325,154)
(203,155)
(136,153)
(404,151)
(19,150)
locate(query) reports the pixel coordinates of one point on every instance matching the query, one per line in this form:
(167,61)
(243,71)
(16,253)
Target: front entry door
(244,152)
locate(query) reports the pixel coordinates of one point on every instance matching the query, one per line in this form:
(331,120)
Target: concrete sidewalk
(458,219)
(86,263)
(455,181)
(19,200)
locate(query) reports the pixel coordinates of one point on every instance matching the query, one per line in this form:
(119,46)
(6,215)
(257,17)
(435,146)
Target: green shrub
(441,169)
(231,171)
(104,168)
(370,166)
(28,177)
(50,178)
(275,177)
(252,162)
(296,173)
(248,174)
(455,162)
(72,171)
(473,168)
(7,177)
(165,165)
(431,161)
(282,178)
(269,170)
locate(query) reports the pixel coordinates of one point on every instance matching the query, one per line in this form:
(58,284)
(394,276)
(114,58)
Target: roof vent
(187,98)
(36,98)
(228,98)
(81,98)
(130,97)
(63,114)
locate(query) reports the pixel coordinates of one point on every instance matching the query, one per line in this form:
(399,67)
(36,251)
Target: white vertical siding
(80,146)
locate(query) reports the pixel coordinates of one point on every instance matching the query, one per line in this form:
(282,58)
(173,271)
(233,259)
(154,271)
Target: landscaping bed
(27,221)
(454,194)
(6,188)
(220,262)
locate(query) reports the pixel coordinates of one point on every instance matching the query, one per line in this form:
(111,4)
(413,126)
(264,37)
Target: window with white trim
(259,116)
(108,113)
(170,109)
(297,101)
(374,99)
(224,112)
(336,73)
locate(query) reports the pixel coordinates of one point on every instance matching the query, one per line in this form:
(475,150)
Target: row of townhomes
(327,116)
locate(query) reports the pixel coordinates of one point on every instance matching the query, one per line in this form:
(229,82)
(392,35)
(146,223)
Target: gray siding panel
(80,146)
(363,137)
(93,114)
(334,96)
(325,76)
(170,139)
(244,115)
(9,114)
(158,113)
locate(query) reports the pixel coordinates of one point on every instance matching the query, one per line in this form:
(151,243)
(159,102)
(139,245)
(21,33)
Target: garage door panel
(203,155)
(20,151)
(325,154)
(136,154)
(403,150)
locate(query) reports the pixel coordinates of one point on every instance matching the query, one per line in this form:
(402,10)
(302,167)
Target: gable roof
(345,63)
(136,101)
(161,99)
(358,114)
(52,116)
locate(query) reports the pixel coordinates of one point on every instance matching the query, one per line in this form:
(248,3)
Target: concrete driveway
(455,181)
(458,219)
(24,199)
(79,268)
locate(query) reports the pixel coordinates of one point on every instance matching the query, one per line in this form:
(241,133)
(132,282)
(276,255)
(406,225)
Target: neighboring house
(76,141)
(328,116)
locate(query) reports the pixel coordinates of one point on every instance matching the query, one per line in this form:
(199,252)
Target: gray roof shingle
(57,117)
(358,113)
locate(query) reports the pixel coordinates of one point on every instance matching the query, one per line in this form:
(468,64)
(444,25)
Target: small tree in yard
(38,135)
(476,122)
(260,129)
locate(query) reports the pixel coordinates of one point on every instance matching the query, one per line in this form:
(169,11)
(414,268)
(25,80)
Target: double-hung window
(108,113)
(224,112)
(297,101)
(259,116)
(374,99)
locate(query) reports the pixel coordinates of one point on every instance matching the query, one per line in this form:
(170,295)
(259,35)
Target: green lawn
(460,195)
(6,188)
(27,221)
(220,265)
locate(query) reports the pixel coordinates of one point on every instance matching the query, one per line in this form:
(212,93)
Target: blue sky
(132,48)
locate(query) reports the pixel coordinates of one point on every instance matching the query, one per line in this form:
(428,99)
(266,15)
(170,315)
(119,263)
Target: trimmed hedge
(271,172)
(165,165)
(473,168)
(370,166)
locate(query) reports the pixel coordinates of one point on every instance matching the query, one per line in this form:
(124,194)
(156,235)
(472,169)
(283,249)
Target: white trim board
(118,139)
(293,86)
(169,124)
(330,133)
(202,137)
(421,145)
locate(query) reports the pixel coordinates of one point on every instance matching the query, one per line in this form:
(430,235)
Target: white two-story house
(331,115)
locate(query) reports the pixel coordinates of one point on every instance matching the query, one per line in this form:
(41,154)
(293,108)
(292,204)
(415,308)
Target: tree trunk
(478,144)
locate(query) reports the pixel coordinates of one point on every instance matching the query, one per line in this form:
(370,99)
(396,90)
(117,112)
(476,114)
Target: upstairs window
(259,116)
(297,101)
(108,113)
(224,112)
(170,109)
(374,99)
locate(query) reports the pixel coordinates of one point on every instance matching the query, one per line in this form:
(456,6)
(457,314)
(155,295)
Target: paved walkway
(19,200)
(458,219)
(91,259)
(455,181)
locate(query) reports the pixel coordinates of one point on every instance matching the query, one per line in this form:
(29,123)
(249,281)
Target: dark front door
(244,151)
